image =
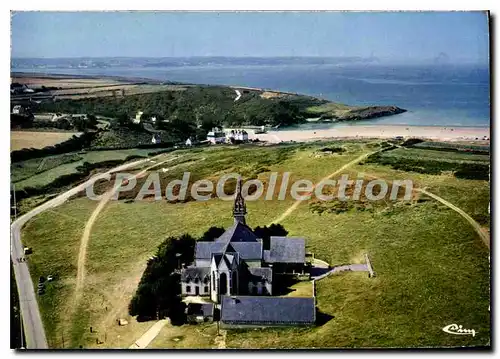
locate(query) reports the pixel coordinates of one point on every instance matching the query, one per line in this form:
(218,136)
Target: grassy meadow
(432,268)
(38,172)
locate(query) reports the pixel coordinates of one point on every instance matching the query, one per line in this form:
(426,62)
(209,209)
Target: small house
(216,136)
(155,139)
(138,116)
(18,110)
(200,312)
(238,135)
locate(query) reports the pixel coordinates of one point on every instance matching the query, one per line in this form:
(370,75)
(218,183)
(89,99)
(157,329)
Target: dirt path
(32,322)
(82,253)
(344,268)
(482,232)
(122,291)
(116,296)
(220,340)
(294,206)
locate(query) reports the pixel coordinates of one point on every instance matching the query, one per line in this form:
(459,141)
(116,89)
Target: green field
(432,268)
(424,154)
(30,174)
(333,109)
(32,167)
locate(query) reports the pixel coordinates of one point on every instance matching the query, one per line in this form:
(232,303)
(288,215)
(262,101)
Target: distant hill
(106,62)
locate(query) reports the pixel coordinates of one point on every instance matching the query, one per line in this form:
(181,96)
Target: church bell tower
(239,208)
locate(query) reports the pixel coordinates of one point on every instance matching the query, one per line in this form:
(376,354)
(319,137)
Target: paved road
(238,95)
(33,328)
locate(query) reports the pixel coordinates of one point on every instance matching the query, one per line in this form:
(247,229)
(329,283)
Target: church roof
(286,250)
(238,232)
(248,250)
(191,273)
(204,250)
(238,237)
(218,258)
(227,258)
(267,310)
(262,273)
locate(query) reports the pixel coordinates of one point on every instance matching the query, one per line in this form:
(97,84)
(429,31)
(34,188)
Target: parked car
(41,279)
(28,250)
(50,278)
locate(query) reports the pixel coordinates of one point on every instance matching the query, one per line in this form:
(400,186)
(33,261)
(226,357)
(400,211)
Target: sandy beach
(377,131)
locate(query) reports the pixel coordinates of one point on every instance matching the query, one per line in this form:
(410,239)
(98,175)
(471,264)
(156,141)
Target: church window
(223,283)
(206,289)
(188,289)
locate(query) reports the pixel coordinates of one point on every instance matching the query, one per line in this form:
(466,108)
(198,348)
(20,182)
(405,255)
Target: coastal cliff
(331,112)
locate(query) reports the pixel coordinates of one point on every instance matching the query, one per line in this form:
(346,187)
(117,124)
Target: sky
(419,36)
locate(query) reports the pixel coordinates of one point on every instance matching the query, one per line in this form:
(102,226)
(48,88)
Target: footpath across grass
(432,269)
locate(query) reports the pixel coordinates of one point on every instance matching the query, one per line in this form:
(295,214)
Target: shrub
(434,167)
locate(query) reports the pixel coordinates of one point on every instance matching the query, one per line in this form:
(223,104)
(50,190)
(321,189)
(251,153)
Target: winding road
(33,327)
(82,253)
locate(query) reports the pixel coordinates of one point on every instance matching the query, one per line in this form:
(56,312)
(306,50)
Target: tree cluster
(192,110)
(158,293)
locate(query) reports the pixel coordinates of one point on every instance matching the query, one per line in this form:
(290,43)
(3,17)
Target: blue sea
(434,95)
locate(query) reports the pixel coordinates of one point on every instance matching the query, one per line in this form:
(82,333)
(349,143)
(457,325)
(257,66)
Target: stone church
(237,264)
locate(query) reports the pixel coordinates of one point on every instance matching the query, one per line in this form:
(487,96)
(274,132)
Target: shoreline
(339,129)
(439,133)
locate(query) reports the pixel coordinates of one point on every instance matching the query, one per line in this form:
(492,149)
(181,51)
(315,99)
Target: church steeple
(239,208)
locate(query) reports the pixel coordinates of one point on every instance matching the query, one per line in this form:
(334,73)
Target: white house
(56,117)
(138,116)
(18,109)
(189,142)
(216,136)
(242,135)
(237,135)
(155,139)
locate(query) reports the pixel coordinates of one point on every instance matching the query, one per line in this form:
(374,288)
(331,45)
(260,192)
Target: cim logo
(458,330)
